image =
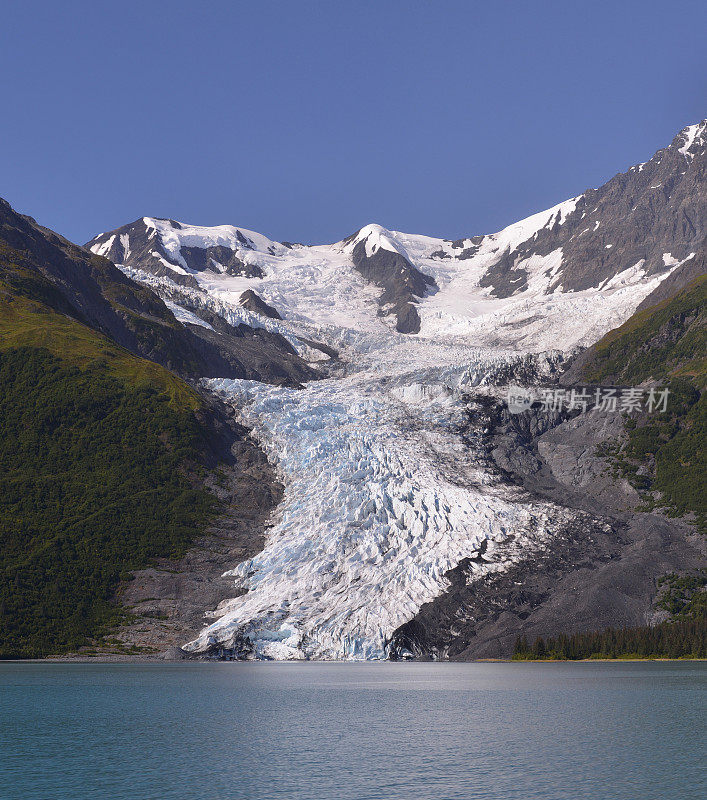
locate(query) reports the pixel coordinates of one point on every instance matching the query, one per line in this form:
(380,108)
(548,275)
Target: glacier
(386,481)
(382,498)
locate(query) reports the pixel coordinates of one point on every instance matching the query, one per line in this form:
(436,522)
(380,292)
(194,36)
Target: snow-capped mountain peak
(520,286)
(376,237)
(175,235)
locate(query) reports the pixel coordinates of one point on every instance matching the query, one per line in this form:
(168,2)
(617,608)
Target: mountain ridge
(620,240)
(41,264)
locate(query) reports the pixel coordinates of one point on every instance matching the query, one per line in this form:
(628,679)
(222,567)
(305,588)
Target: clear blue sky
(306,121)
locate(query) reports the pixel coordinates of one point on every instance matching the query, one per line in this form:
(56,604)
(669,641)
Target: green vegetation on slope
(664,456)
(27,323)
(685,638)
(683,596)
(100,457)
(664,341)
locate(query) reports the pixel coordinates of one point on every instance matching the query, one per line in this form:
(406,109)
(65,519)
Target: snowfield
(383,495)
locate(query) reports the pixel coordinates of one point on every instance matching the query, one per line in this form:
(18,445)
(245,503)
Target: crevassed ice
(382,498)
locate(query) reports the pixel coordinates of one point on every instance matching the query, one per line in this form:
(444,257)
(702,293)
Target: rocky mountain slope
(665,344)
(648,218)
(602,570)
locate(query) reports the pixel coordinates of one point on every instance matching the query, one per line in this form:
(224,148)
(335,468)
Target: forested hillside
(102,458)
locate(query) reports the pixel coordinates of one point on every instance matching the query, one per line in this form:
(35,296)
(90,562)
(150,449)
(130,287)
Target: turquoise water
(345,731)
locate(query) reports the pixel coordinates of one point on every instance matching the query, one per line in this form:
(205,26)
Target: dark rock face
(591,579)
(139,246)
(601,570)
(40,264)
(258,355)
(686,273)
(200,258)
(145,251)
(255,303)
(468,247)
(323,348)
(656,208)
(402,284)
